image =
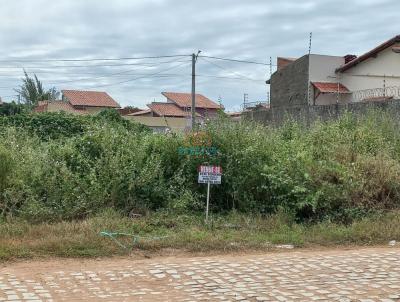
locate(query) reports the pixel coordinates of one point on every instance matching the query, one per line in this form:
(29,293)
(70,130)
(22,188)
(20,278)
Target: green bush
(6,165)
(58,166)
(13,108)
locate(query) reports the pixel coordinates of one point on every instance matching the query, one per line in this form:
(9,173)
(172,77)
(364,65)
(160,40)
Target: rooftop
(329,87)
(90,98)
(185,100)
(167,109)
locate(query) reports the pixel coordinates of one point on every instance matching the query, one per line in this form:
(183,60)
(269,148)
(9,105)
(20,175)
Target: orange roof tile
(185,100)
(167,109)
(90,98)
(326,87)
(283,62)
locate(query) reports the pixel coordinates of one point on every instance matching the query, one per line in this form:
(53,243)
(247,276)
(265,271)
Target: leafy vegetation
(32,91)
(63,167)
(12,108)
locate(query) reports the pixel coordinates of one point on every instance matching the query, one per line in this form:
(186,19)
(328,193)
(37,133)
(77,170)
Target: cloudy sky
(33,31)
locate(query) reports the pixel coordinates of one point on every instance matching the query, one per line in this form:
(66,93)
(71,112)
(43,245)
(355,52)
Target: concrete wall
(207,113)
(95,110)
(55,107)
(309,114)
(289,85)
(174,123)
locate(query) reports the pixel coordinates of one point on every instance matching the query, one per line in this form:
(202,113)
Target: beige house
(174,114)
(79,102)
(323,80)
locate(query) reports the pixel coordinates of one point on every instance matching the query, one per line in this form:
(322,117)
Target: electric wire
(142,77)
(226,69)
(92,60)
(144,64)
(79,66)
(115,74)
(231,78)
(236,60)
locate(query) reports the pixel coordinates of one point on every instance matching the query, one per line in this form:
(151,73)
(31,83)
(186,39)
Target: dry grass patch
(161,231)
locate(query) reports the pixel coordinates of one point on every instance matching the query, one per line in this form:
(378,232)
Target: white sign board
(213,179)
(210,174)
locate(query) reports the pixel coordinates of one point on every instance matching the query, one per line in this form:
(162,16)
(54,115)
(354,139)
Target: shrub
(58,166)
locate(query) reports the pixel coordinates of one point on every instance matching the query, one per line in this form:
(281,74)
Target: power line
(112,74)
(116,59)
(142,77)
(144,64)
(171,75)
(231,78)
(92,60)
(79,80)
(235,60)
(226,69)
(117,73)
(80,66)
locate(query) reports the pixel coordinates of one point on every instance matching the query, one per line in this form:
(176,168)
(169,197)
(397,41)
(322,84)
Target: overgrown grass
(338,183)
(56,167)
(187,233)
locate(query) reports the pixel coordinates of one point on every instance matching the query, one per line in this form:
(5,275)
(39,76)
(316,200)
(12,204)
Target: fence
(308,114)
(251,105)
(376,93)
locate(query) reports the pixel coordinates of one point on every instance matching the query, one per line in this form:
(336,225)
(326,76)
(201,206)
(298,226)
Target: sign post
(209,175)
(208,200)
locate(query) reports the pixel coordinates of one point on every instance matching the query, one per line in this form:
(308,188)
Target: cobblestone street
(363,275)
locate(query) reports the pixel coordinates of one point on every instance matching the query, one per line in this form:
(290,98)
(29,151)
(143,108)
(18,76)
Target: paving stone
(345,276)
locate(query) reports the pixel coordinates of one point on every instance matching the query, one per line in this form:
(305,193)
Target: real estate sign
(210,174)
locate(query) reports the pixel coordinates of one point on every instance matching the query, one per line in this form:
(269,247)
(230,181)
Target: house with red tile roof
(175,113)
(179,105)
(323,80)
(79,102)
(205,107)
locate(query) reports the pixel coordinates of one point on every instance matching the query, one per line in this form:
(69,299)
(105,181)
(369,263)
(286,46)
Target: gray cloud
(252,29)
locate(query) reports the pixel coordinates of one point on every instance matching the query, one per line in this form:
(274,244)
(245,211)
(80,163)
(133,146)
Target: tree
(32,91)
(53,94)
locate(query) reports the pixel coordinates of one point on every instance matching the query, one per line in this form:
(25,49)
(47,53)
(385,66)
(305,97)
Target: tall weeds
(55,167)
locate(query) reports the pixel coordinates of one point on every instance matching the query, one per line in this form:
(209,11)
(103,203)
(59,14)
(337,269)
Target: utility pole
(245,99)
(193,108)
(308,83)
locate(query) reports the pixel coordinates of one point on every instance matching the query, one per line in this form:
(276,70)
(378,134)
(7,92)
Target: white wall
(322,69)
(370,73)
